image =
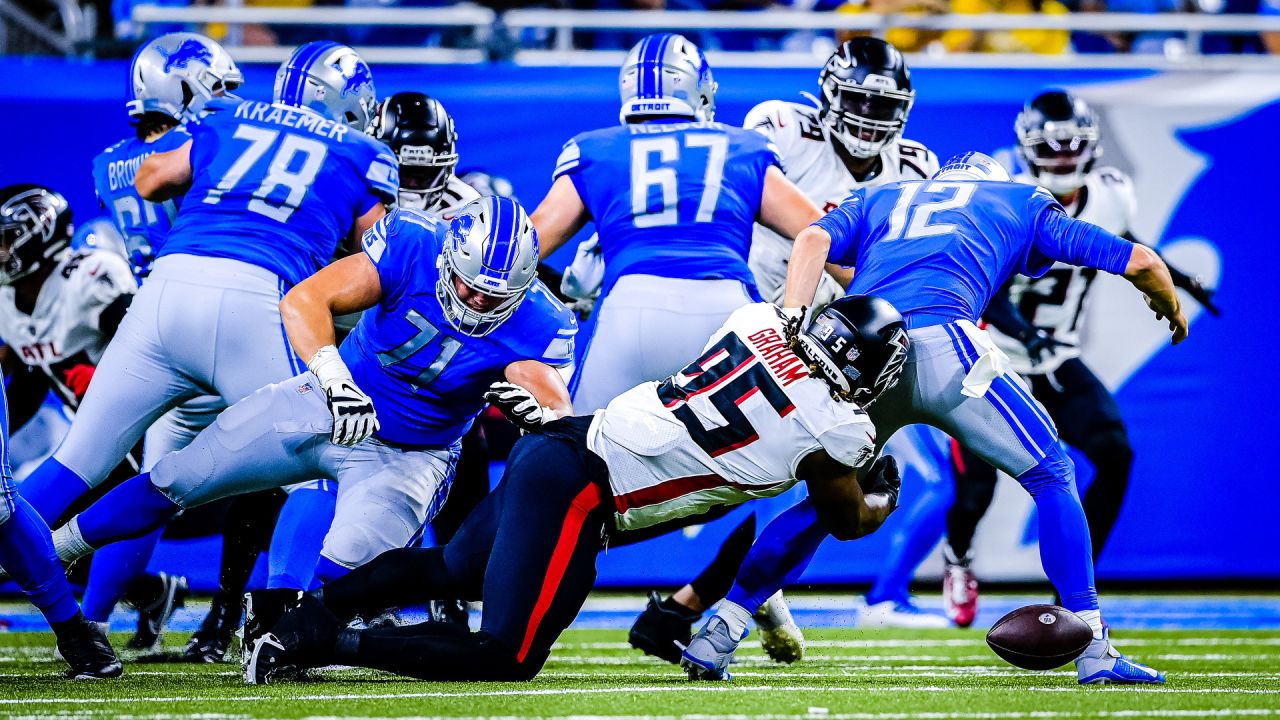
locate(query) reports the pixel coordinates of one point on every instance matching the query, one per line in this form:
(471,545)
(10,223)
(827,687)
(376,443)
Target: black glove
(1040,343)
(883,479)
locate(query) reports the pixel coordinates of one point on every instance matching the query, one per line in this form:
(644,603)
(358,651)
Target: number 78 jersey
(731,426)
(277,186)
(672,199)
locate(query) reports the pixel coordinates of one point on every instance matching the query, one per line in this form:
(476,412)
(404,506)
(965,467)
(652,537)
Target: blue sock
(133,509)
(1065,549)
(918,526)
(51,488)
(300,529)
(26,552)
(328,570)
(779,555)
(111,572)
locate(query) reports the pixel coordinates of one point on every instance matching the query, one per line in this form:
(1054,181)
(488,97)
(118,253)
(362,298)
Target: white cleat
(779,635)
(890,614)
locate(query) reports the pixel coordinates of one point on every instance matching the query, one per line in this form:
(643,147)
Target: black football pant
(1088,419)
(528,550)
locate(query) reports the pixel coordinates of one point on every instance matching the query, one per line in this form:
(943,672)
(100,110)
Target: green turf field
(847,674)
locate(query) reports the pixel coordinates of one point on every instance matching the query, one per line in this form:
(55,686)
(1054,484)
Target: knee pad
(186,482)
(1053,472)
(353,545)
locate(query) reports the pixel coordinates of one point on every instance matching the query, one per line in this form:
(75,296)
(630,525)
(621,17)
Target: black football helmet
(858,344)
(35,228)
(420,132)
(866,95)
(486,184)
(1058,140)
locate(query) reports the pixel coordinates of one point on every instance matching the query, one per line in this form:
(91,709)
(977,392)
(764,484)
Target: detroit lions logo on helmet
(359,77)
(187,51)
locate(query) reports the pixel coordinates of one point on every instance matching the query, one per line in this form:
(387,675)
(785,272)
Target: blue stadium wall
(1202,150)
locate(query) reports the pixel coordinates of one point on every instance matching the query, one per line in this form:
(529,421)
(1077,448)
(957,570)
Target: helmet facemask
(865,117)
(829,353)
(500,272)
(1059,154)
(424,175)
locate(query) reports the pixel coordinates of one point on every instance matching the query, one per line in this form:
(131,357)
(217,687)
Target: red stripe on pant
(585,502)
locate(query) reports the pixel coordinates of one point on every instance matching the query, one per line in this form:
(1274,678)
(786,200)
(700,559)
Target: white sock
(1094,619)
(735,617)
(69,543)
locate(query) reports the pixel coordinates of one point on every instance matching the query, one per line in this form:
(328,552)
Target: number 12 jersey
(731,426)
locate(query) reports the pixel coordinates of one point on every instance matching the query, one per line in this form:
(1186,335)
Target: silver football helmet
(666,75)
(492,251)
(970,166)
(176,74)
(330,79)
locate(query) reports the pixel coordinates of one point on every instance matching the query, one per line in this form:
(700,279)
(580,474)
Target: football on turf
(1039,637)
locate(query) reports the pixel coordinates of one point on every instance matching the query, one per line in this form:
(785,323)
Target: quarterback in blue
(453,309)
(940,250)
(673,196)
(272,188)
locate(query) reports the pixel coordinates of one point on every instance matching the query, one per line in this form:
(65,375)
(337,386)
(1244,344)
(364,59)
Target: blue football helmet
(177,73)
(972,166)
(666,75)
(329,78)
(492,249)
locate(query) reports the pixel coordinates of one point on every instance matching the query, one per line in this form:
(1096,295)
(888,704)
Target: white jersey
(456,194)
(1056,302)
(732,426)
(810,161)
(62,329)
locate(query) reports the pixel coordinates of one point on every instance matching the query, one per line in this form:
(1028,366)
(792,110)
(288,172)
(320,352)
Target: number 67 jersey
(731,426)
(277,186)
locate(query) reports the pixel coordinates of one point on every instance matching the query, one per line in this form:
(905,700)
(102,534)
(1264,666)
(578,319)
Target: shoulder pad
(548,327)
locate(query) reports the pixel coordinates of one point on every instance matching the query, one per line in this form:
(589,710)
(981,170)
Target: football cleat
(303,638)
(959,590)
(662,630)
(779,635)
(891,614)
(453,611)
(1102,664)
(262,610)
(209,644)
(155,597)
(710,651)
(84,646)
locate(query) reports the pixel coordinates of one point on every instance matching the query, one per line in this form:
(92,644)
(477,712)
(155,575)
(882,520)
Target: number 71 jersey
(731,426)
(277,186)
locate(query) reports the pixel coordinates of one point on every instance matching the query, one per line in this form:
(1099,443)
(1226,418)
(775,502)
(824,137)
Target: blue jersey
(676,200)
(426,379)
(144,225)
(276,186)
(939,250)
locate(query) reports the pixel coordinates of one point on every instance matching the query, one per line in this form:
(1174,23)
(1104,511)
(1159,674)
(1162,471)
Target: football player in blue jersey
(673,196)
(272,189)
(939,250)
(384,415)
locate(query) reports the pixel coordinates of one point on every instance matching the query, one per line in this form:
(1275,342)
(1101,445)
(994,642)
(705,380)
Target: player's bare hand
(354,419)
(518,405)
(1178,325)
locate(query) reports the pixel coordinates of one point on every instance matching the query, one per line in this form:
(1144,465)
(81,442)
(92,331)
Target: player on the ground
(35,228)
(853,139)
(765,406)
(272,188)
(1037,323)
(384,415)
(673,196)
(940,250)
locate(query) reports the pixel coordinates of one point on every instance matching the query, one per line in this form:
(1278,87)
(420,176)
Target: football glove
(353,416)
(519,406)
(884,479)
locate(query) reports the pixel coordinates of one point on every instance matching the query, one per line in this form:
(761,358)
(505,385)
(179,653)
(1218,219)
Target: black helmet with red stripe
(35,228)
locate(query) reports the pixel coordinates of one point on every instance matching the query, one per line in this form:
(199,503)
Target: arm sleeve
(1075,242)
(844,225)
(559,350)
(382,176)
(375,244)
(1004,317)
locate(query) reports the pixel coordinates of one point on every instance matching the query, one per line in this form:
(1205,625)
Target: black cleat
(453,612)
(663,629)
(84,646)
(303,638)
(262,610)
(155,597)
(209,644)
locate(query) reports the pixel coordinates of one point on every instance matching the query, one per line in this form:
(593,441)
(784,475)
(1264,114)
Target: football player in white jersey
(852,139)
(421,133)
(765,406)
(1037,324)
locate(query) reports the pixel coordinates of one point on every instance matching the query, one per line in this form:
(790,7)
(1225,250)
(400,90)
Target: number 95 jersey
(731,426)
(671,199)
(277,186)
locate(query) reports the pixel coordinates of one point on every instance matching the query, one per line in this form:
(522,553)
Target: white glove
(354,419)
(519,405)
